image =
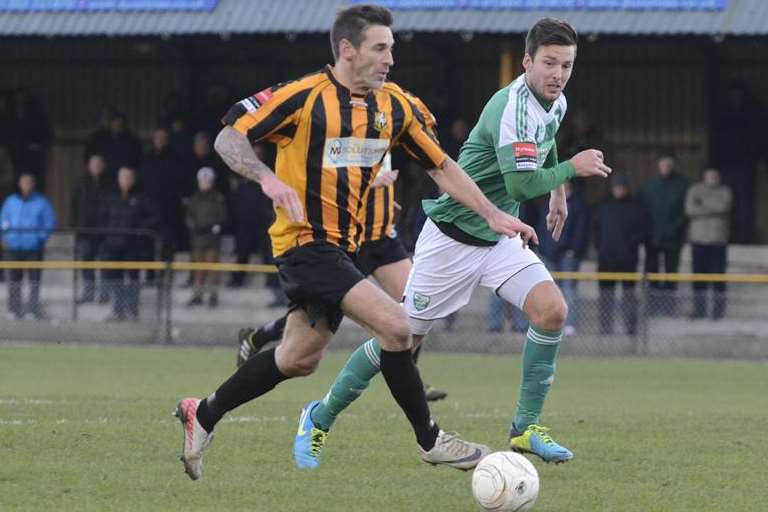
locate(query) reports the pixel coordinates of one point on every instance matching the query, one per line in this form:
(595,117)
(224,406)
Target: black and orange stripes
(330,146)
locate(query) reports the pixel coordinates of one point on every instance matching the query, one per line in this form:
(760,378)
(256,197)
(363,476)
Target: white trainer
(453,451)
(196,439)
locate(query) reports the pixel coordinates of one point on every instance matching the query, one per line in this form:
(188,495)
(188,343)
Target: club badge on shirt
(525,156)
(380,121)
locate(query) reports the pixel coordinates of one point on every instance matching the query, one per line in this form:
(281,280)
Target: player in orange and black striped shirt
(329,143)
(381,255)
(332,128)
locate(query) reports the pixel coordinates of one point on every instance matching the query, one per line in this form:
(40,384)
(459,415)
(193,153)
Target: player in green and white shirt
(514,136)
(512,156)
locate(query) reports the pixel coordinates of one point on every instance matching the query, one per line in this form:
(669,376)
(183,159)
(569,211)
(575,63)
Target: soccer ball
(505,482)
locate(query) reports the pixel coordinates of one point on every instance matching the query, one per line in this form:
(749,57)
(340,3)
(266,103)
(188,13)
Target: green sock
(539,357)
(361,367)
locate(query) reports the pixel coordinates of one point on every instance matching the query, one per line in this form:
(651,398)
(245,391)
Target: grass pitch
(90,429)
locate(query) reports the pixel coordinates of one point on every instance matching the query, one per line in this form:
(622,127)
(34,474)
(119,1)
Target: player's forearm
(456,183)
(522,186)
(558,192)
(237,152)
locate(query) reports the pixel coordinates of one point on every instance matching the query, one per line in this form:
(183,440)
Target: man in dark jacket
(127,209)
(621,227)
(161,175)
(566,254)
(87,207)
(663,196)
(206,216)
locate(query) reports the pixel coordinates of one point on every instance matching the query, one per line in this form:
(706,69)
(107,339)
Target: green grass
(90,429)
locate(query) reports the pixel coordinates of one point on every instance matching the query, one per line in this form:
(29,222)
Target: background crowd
(175,185)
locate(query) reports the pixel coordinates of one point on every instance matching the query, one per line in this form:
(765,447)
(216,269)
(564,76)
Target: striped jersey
(515,133)
(378,214)
(330,143)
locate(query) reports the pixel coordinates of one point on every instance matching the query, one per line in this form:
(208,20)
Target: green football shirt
(515,133)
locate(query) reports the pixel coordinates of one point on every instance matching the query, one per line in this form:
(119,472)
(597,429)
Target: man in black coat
(87,208)
(161,175)
(622,225)
(127,209)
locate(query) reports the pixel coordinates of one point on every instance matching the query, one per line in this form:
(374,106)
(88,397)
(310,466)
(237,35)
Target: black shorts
(378,253)
(315,277)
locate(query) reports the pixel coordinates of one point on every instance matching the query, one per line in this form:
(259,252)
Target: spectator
(566,254)
(123,148)
(26,219)
(708,204)
(161,176)
(621,226)
(663,196)
(32,137)
(87,207)
(206,216)
(125,210)
(99,140)
(204,156)
(253,214)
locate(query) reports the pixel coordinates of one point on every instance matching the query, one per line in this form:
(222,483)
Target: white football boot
(196,439)
(451,450)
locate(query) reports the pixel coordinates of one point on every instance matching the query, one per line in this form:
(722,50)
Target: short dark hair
(550,31)
(352,22)
(666,153)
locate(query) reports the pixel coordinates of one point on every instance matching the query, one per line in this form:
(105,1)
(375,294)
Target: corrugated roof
(741,17)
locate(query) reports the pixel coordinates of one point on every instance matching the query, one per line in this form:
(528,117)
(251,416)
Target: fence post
(75,281)
(641,340)
(167,302)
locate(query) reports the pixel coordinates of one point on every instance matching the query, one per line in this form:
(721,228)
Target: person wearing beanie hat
(206,216)
(622,224)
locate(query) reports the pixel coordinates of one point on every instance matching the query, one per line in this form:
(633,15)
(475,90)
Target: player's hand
(558,212)
(283,196)
(590,163)
(385,178)
(505,224)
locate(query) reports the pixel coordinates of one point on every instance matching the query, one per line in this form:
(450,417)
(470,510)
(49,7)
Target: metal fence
(610,314)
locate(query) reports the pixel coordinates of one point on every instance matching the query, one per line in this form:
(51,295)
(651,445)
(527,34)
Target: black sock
(273,331)
(416,353)
(405,384)
(257,376)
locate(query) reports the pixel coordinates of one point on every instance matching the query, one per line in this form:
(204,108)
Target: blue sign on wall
(667,5)
(106,5)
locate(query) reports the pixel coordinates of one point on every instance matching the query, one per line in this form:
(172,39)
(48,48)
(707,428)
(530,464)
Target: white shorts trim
(445,273)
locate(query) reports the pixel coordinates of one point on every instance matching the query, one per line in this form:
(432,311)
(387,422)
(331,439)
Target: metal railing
(664,324)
